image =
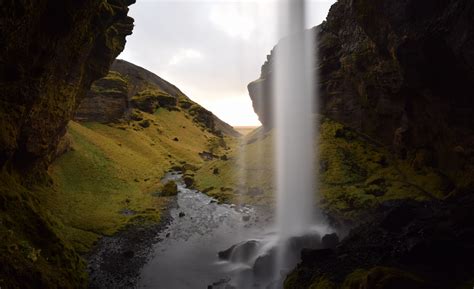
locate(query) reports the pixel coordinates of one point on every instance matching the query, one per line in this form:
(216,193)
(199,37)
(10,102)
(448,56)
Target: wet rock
(245,251)
(128,254)
(311,256)
(188,181)
(297,243)
(263,267)
(225,255)
(330,240)
(417,238)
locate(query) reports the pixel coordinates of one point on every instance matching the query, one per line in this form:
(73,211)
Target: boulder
(330,240)
(188,181)
(169,189)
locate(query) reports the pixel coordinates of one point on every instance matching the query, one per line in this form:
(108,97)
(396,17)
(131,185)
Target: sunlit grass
(115,167)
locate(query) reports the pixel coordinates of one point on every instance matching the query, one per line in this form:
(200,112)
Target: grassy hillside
(356,173)
(111,176)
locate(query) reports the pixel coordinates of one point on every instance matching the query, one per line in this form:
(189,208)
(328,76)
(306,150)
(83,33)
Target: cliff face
(401,72)
(128,87)
(50,52)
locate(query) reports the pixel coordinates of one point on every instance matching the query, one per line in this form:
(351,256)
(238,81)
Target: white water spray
(295,104)
(298,223)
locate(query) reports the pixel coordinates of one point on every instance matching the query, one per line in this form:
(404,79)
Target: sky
(210,50)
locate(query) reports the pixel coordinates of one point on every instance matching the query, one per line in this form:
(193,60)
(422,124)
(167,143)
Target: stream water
(187,256)
(218,246)
(254,254)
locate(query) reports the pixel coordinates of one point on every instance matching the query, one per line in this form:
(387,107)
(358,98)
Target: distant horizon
(211,50)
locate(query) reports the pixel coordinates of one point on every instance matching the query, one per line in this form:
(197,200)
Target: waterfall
(295,104)
(298,223)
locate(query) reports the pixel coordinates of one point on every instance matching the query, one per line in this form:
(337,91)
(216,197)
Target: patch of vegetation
(117,167)
(382,278)
(355,172)
(32,246)
(150,99)
(169,189)
(113,83)
(244,175)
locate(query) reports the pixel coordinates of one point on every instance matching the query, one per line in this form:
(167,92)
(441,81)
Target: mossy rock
(184,104)
(149,100)
(322,283)
(382,278)
(169,189)
(145,123)
(189,181)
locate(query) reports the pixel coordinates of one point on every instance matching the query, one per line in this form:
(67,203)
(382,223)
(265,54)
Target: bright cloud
(184,55)
(232,21)
(210,49)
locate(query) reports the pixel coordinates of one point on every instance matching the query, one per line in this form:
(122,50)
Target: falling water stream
(209,245)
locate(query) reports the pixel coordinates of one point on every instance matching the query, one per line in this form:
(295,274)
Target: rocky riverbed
(181,251)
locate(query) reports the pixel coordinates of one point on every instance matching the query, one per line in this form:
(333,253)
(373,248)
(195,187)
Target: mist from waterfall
(295,104)
(263,260)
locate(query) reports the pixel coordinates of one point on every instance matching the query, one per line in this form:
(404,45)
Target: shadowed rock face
(106,101)
(50,52)
(399,71)
(407,245)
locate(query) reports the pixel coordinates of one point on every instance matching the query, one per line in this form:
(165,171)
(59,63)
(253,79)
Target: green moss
(31,244)
(113,83)
(116,167)
(355,174)
(322,283)
(292,281)
(151,98)
(382,278)
(169,189)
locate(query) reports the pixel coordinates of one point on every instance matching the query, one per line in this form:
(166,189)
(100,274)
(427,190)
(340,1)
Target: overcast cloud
(211,50)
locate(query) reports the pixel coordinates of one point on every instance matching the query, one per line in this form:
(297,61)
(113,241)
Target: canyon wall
(50,52)
(401,72)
